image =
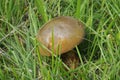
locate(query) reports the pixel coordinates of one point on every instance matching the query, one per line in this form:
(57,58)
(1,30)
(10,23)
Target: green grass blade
(42,9)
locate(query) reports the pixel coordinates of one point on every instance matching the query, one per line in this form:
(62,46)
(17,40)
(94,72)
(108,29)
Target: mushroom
(60,35)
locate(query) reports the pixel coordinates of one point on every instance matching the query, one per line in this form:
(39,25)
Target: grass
(99,52)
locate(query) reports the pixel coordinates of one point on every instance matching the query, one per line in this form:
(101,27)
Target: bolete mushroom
(67,33)
(61,33)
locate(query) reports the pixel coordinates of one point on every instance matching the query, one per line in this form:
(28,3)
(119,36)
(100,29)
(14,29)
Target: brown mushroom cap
(61,32)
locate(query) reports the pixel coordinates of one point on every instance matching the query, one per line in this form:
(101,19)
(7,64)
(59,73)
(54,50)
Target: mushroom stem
(71,59)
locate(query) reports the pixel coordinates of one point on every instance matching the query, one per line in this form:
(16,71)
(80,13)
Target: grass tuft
(99,53)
